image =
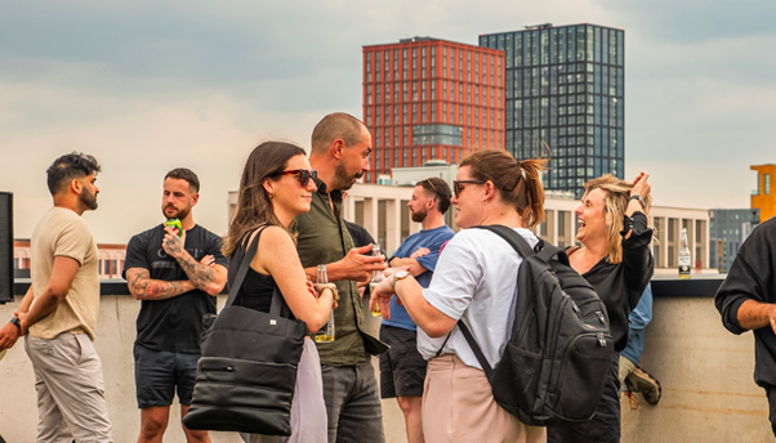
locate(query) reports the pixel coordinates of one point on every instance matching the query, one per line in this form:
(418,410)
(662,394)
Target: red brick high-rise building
(430,99)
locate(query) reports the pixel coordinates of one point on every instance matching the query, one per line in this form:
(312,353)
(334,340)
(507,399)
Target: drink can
(175,225)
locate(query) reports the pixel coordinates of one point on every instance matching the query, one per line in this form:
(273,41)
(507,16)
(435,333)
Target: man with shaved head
(341,146)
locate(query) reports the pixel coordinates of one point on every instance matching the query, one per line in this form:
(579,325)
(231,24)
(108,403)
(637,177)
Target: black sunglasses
(458,185)
(303,175)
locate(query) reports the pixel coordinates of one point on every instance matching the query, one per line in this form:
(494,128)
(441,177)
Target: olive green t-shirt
(323,238)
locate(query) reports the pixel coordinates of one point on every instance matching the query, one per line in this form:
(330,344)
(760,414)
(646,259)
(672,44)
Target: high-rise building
(430,99)
(728,228)
(565,87)
(764,197)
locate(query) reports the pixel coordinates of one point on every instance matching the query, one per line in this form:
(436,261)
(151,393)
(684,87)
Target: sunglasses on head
(303,175)
(458,185)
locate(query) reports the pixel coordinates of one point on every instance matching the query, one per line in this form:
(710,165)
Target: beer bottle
(685,259)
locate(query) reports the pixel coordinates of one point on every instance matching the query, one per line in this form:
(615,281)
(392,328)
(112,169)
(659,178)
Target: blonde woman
(615,258)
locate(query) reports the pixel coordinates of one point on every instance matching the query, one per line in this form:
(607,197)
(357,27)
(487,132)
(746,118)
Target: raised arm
(143,287)
(207,278)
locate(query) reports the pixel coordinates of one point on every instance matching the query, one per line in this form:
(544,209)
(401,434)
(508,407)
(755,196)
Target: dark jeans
(352,404)
(771,391)
(605,424)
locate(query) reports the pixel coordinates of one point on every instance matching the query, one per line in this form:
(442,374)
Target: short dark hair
(68,167)
(440,188)
(334,126)
(185,174)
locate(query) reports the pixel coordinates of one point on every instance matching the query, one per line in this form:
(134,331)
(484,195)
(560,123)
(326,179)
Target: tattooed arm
(209,278)
(143,287)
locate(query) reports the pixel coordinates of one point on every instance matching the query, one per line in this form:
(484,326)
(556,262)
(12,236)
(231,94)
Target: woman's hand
(319,288)
(382,294)
(641,186)
(384,291)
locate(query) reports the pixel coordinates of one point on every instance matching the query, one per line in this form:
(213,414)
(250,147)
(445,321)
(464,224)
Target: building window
(767,184)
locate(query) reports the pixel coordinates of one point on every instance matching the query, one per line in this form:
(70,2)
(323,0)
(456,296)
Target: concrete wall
(709,394)
(116,334)
(706,374)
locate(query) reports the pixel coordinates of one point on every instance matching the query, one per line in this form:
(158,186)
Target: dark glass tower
(565,87)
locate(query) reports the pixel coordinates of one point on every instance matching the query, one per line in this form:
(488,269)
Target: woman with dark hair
(474,281)
(615,258)
(276,186)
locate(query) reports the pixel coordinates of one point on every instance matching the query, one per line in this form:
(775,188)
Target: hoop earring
(270,196)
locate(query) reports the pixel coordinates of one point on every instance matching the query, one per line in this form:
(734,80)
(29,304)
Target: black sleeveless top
(257,289)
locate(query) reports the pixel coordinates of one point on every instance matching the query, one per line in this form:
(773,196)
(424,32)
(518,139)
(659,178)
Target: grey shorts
(402,368)
(159,373)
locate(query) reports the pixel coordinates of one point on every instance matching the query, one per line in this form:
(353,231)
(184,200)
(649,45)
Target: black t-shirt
(359,234)
(175,324)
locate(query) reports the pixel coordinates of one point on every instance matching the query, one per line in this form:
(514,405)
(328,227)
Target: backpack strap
(523,249)
(514,239)
(476,349)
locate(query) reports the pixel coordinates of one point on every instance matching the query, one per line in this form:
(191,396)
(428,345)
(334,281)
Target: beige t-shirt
(62,232)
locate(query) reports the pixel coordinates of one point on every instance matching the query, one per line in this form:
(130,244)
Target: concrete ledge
(709,394)
(699,285)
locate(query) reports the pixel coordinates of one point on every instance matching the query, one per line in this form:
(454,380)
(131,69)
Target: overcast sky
(147,86)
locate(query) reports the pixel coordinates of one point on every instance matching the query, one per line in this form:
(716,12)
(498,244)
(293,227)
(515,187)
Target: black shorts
(402,369)
(159,373)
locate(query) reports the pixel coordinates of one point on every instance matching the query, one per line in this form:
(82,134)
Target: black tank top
(256,291)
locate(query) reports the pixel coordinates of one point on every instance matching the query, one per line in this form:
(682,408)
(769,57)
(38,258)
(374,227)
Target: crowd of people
(293,202)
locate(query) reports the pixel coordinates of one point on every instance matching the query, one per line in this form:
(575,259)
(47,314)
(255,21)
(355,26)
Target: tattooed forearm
(200,275)
(142,287)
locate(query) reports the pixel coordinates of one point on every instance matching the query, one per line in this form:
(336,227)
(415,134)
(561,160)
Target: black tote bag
(247,372)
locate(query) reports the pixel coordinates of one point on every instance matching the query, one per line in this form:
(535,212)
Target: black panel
(6,247)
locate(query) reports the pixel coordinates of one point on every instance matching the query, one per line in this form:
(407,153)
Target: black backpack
(555,362)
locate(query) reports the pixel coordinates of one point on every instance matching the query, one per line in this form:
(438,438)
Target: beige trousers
(70,387)
(458,407)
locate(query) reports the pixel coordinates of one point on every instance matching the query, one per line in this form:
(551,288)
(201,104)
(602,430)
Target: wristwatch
(639,199)
(400,275)
(15,321)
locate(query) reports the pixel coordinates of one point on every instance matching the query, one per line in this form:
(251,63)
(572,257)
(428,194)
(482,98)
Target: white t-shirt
(475,279)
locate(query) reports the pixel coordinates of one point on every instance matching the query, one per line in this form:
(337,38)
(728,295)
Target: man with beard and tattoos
(341,146)
(60,309)
(177,279)
(402,368)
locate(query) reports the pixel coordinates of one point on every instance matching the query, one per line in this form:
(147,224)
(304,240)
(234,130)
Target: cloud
(695,21)
(148,86)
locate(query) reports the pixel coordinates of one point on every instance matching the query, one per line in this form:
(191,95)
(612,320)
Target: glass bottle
(377,277)
(326,334)
(685,259)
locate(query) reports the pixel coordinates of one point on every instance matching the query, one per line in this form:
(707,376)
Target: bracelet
(16,322)
(640,200)
(333,288)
